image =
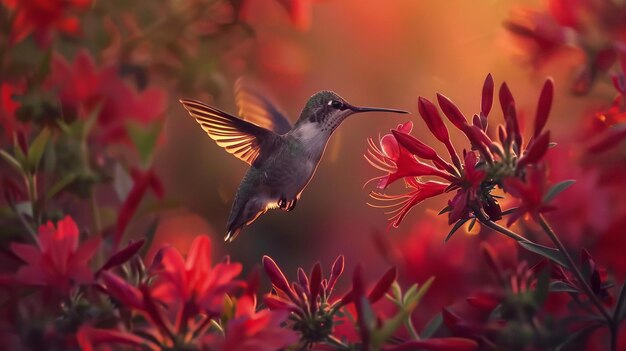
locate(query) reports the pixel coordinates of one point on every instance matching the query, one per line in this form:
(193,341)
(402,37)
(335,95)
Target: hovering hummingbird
(282,158)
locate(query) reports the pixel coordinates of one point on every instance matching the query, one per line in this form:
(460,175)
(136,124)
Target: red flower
(529,194)
(90,339)
(180,301)
(8,106)
(593,27)
(194,283)
(400,205)
(396,160)
(309,299)
(42,17)
(612,122)
(57,261)
(82,88)
(482,169)
(249,330)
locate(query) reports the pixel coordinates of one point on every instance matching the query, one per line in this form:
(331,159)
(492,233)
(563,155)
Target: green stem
(95,213)
(337,343)
(574,268)
(495,226)
(411,328)
(31,186)
(613,330)
(31,232)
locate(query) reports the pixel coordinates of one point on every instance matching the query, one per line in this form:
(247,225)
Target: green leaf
(90,122)
(432,326)
(144,138)
(44,67)
(471,225)
(620,307)
(11,160)
(412,297)
(122,182)
(456,227)
(19,154)
(37,148)
(410,291)
(557,189)
(561,286)
(445,210)
(542,287)
(547,252)
(61,184)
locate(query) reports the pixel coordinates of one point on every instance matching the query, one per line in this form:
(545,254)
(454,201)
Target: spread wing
(245,140)
(259,109)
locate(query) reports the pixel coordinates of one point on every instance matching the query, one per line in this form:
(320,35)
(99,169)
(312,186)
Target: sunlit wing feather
(258,109)
(240,138)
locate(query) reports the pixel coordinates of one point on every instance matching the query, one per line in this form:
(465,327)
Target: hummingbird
(282,158)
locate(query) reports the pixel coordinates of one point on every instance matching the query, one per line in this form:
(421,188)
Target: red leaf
(543,106)
(433,120)
(277,277)
(487,96)
(336,272)
(451,111)
(90,338)
(535,151)
(415,146)
(315,284)
(611,138)
(122,256)
(383,285)
(122,290)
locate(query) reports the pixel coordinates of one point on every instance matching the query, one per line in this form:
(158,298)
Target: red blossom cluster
(591,28)
(505,161)
(517,167)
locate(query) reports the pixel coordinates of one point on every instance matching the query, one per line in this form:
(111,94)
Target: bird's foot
(282,203)
(285,205)
(291,205)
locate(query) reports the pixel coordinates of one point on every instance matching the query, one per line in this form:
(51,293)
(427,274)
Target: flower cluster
(592,28)
(505,161)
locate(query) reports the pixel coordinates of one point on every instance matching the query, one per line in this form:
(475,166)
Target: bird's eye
(338,105)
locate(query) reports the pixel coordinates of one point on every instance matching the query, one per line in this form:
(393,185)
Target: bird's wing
(259,109)
(247,141)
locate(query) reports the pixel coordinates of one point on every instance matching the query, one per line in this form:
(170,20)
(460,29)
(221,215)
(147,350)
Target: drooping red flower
(251,330)
(43,17)
(58,260)
(84,88)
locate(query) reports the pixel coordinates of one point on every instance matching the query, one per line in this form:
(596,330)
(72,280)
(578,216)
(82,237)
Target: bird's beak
(358,109)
